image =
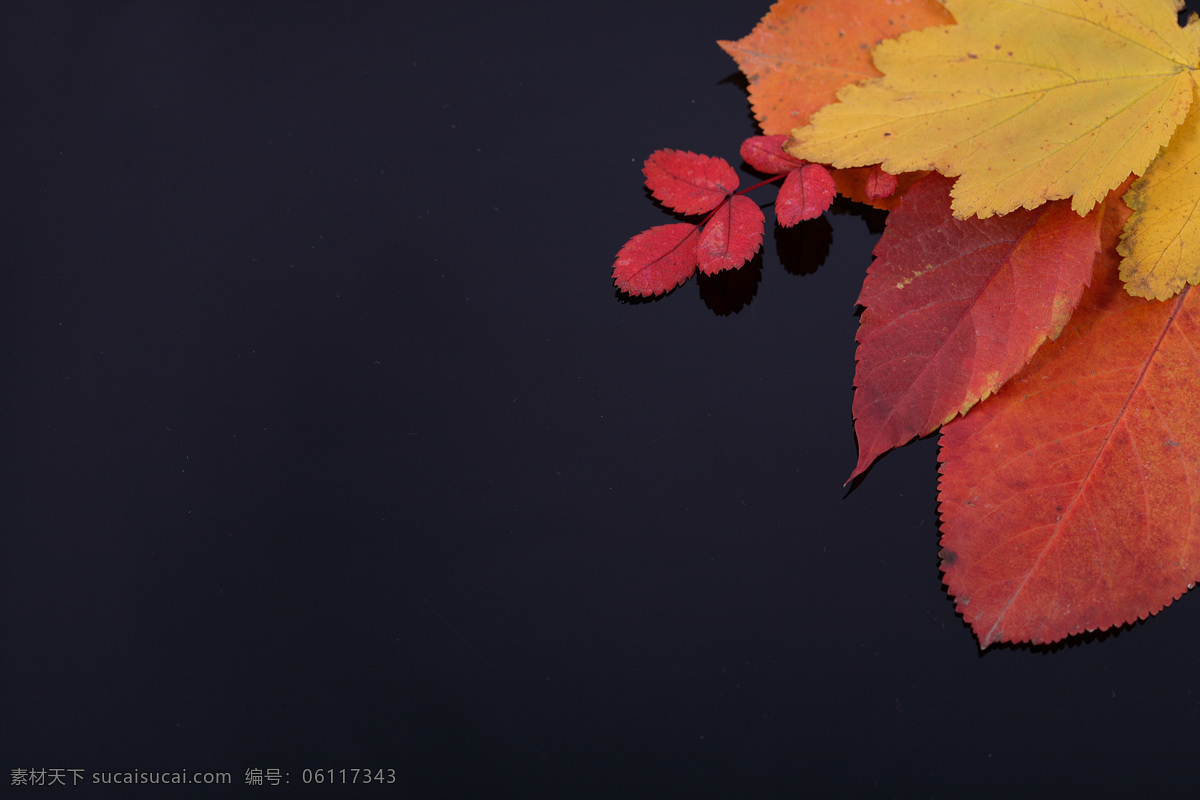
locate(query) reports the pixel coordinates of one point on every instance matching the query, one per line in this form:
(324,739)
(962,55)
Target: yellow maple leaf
(1024,100)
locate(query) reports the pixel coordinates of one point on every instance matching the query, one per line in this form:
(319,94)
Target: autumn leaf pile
(1030,296)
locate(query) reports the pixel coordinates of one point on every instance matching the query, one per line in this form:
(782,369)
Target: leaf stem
(762,183)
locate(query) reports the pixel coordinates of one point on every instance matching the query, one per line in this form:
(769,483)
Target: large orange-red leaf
(732,236)
(657,260)
(803,51)
(689,183)
(954,308)
(1070,500)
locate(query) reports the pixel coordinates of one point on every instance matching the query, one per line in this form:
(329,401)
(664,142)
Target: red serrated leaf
(1070,500)
(689,183)
(657,260)
(766,154)
(806,193)
(880,184)
(954,308)
(732,236)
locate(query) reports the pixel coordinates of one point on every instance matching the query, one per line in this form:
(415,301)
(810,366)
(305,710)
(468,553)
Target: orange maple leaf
(803,51)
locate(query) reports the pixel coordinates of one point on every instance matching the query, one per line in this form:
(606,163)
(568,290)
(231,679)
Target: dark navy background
(327,443)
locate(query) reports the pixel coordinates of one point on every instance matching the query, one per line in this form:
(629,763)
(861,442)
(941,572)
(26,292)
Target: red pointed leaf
(732,236)
(688,182)
(1070,501)
(766,154)
(657,260)
(880,184)
(806,193)
(954,308)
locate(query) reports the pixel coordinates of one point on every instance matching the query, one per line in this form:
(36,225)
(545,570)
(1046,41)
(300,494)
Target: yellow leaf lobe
(1161,243)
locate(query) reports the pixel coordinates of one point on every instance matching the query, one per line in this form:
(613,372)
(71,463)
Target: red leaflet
(1070,501)
(880,184)
(852,184)
(806,193)
(954,308)
(766,154)
(688,182)
(808,190)
(732,236)
(657,260)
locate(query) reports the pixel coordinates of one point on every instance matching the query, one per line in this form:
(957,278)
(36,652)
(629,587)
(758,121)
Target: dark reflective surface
(327,444)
